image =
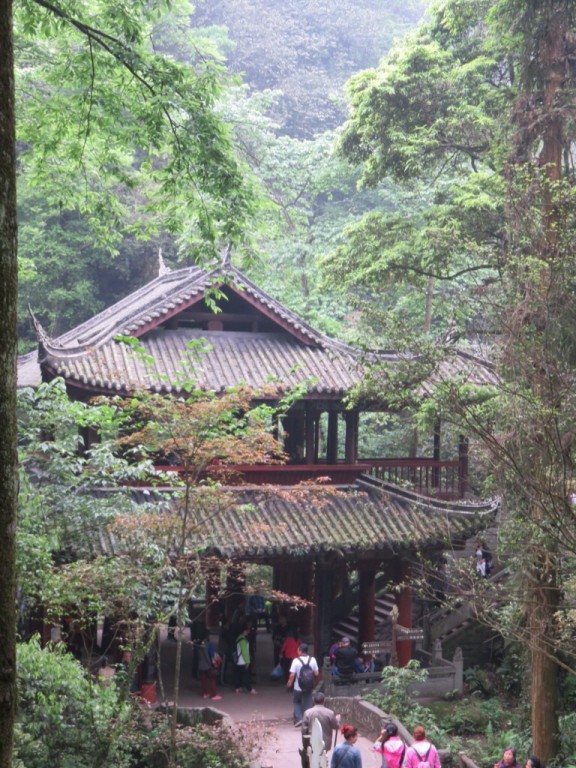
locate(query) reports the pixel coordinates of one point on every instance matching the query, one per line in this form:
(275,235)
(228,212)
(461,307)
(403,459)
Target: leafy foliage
(113,127)
(64,716)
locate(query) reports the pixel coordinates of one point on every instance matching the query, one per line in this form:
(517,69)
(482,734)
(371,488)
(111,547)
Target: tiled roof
(257,359)
(262,524)
(90,355)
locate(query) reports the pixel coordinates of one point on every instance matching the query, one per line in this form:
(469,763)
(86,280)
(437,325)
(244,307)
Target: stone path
(268,713)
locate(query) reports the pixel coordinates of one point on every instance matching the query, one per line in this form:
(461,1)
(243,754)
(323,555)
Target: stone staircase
(457,625)
(348,627)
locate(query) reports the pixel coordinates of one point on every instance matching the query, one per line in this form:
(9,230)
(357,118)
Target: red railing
(442,479)
(287,474)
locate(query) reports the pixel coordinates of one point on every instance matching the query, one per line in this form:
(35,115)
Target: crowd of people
(300,672)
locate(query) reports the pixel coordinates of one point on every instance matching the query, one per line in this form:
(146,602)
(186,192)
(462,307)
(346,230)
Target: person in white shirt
(302,699)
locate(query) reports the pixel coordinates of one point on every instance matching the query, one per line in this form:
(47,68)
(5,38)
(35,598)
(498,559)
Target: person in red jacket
(289,651)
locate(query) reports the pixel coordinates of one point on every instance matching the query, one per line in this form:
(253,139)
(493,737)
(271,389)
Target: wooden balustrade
(440,479)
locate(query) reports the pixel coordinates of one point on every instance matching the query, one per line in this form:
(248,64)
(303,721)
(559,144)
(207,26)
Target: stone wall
(370,720)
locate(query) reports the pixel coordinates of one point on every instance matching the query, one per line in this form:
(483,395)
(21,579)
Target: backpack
(306,676)
(423,760)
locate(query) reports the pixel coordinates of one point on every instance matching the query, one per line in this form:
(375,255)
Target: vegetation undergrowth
(481,723)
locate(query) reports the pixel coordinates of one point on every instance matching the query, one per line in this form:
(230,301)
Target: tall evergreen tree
(482,99)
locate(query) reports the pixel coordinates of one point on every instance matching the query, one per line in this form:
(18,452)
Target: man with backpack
(304,675)
(422,753)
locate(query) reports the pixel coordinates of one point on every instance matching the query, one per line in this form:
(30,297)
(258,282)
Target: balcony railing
(430,477)
(441,479)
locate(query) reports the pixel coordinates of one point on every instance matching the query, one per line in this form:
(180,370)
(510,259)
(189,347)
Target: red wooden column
(436,455)
(404,602)
(367,599)
(311,421)
(235,584)
(463,466)
(294,443)
(351,449)
(212,593)
(332,447)
(306,590)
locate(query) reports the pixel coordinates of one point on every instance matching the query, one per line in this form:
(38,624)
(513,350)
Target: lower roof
(369,520)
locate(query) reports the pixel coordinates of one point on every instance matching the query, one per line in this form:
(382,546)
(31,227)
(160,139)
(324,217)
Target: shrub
(64,716)
(197,746)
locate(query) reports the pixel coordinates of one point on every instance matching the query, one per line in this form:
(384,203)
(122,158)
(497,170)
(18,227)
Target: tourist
(421,751)
(206,670)
(226,646)
(256,610)
(289,650)
(508,759)
(279,633)
(533,762)
(364,663)
(391,747)
(242,661)
(329,722)
(106,672)
(346,755)
(304,674)
(344,660)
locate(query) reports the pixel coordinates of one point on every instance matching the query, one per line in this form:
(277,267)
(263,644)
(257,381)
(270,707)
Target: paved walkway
(269,711)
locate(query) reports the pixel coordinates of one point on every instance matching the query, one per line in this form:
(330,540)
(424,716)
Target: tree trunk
(542,606)
(543,595)
(8,352)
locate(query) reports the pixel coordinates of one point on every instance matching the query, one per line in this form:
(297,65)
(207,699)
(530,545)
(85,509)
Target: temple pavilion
(335,550)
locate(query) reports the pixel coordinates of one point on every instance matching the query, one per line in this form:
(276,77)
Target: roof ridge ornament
(163,269)
(225,256)
(43,338)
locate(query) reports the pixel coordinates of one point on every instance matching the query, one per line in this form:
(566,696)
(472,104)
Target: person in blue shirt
(256,609)
(346,755)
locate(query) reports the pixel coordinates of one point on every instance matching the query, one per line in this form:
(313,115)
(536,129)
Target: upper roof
(253,339)
(261,343)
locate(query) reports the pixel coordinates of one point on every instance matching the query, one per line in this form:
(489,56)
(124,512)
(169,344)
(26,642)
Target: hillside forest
(401,174)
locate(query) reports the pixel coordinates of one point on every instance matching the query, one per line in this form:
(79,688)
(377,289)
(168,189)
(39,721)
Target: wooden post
(212,592)
(436,455)
(332,447)
(235,584)
(463,466)
(404,614)
(310,436)
(367,599)
(394,649)
(351,448)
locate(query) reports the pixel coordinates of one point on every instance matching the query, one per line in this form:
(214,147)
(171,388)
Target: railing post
(463,466)
(458,662)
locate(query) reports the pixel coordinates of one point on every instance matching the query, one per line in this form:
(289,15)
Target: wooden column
(212,594)
(367,601)
(297,579)
(322,613)
(235,584)
(306,590)
(351,450)
(332,447)
(436,455)
(404,603)
(310,435)
(463,466)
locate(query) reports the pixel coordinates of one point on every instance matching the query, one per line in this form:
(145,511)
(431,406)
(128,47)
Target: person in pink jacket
(422,753)
(391,747)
